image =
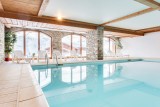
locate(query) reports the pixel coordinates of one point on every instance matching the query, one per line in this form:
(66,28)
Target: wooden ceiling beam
(148,30)
(50,20)
(122,30)
(130,15)
(65,22)
(150,3)
(1,6)
(43,7)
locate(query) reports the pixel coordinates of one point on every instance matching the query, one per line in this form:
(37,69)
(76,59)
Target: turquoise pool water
(127,84)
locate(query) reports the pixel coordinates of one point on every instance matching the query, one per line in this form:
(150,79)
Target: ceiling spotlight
(59,17)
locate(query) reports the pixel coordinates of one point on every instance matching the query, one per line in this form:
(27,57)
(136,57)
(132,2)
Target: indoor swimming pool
(102,84)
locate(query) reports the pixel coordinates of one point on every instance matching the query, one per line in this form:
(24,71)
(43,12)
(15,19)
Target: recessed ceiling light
(59,17)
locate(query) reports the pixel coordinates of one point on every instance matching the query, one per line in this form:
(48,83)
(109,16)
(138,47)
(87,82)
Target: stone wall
(56,38)
(100,35)
(1,42)
(92,45)
(94,39)
(95,44)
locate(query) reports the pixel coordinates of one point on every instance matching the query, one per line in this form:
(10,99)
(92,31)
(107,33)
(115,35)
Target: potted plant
(10,39)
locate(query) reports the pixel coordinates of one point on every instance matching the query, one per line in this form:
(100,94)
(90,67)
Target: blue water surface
(127,84)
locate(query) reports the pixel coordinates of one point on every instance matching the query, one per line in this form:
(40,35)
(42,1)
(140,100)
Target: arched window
(31,38)
(74,43)
(19,45)
(108,45)
(45,43)
(30,42)
(66,45)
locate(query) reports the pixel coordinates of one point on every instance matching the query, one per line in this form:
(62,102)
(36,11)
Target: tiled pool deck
(19,87)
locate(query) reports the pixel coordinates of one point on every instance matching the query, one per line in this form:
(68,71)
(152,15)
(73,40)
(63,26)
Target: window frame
(24,39)
(71,44)
(109,40)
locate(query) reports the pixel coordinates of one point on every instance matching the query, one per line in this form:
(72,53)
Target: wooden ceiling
(22,6)
(14,12)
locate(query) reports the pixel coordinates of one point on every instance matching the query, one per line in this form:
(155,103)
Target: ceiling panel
(93,11)
(33,2)
(22,6)
(148,20)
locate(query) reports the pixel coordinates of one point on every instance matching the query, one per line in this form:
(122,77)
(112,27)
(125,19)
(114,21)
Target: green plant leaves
(10,39)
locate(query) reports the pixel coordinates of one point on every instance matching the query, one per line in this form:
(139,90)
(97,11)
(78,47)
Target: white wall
(144,46)
(1,42)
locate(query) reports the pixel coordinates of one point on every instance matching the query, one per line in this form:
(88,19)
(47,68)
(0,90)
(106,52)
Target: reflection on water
(73,75)
(64,84)
(100,85)
(43,76)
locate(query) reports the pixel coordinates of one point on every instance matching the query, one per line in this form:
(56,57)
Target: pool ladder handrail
(46,59)
(57,55)
(56,59)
